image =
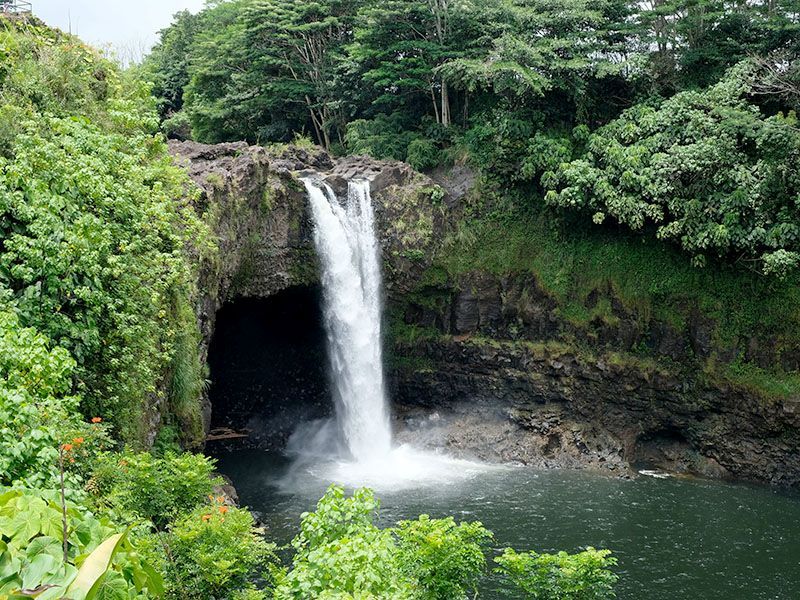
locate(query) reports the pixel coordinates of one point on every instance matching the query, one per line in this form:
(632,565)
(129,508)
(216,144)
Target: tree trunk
(445,105)
(435,105)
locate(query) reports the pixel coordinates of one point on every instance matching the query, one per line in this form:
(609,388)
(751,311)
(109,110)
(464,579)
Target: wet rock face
(547,405)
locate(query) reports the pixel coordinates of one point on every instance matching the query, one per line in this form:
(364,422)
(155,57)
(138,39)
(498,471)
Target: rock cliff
(486,365)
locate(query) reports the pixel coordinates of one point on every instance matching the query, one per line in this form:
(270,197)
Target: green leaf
(93,568)
(38,570)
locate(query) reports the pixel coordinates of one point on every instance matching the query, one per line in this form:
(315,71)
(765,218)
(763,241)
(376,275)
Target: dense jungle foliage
(614,109)
(671,122)
(101,246)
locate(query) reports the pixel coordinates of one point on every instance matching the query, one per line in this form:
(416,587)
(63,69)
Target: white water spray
(351,283)
(357,448)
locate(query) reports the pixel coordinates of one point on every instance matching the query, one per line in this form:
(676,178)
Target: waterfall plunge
(351,283)
(356,449)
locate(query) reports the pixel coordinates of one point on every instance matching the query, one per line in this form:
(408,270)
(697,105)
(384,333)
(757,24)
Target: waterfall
(356,448)
(349,254)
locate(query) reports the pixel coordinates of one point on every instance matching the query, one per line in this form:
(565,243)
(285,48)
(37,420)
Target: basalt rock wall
(256,205)
(497,372)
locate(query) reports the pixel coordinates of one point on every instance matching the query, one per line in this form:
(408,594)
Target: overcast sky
(130,27)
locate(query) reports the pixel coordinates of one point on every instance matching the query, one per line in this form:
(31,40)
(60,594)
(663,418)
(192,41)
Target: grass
(652,280)
(768,384)
(188,376)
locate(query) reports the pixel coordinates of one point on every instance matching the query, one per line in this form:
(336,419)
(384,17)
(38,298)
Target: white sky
(128,27)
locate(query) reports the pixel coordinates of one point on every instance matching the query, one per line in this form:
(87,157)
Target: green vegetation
(141,486)
(650,280)
(516,88)
(97,227)
(91,562)
(582,576)
(212,552)
(674,121)
(662,166)
(341,553)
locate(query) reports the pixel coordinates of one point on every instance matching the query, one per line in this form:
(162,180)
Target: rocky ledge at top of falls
(504,377)
(260,214)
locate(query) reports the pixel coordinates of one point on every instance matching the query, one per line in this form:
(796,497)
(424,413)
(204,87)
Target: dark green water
(675,539)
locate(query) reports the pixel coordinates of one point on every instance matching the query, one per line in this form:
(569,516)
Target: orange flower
(220,500)
(77,441)
(206,518)
(96,419)
(66,447)
(223,510)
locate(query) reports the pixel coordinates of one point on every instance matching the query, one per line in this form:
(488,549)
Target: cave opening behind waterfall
(268,366)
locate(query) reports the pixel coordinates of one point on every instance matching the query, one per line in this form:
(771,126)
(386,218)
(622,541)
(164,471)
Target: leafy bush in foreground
(340,553)
(445,557)
(94,562)
(583,576)
(212,552)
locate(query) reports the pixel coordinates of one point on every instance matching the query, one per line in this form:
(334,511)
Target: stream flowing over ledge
(497,372)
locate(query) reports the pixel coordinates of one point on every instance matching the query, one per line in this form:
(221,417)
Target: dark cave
(268,366)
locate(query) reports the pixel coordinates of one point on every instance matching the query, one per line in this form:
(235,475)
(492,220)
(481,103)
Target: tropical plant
(445,558)
(37,415)
(91,562)
(586,575)
(100,237)
(157,489)
(660,166)
(212,551)
(340,553)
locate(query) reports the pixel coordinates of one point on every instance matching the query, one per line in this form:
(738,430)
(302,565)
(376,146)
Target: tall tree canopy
(518,87)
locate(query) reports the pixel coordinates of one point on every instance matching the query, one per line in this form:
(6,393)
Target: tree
(706,169)
(300,45)
(538,46)
(399,46)
(168,63)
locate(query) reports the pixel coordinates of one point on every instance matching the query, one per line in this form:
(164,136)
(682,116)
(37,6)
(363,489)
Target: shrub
(583,576)
(340,553)
(177,126)
(140,485)
(661,167)
(446,559)
(422,154)
(99,232)
(36,415)
(384,136)
(213,552)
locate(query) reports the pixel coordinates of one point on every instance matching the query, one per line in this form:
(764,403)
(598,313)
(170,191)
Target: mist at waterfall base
(355,448)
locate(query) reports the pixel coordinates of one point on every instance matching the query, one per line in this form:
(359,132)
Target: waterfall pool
(676,539)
